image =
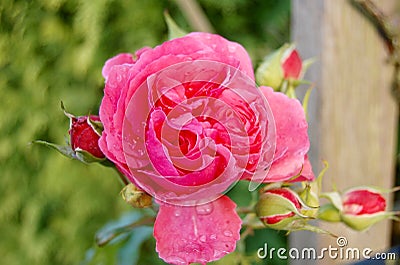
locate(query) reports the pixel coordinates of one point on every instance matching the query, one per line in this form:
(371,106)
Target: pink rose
(183,115)
(184,121)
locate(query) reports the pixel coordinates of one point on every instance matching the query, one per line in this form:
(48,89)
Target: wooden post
(353,116)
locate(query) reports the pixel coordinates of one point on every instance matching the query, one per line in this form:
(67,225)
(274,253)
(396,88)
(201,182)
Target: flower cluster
(184,121)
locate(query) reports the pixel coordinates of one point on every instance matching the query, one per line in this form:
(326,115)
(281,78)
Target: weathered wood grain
(353,116)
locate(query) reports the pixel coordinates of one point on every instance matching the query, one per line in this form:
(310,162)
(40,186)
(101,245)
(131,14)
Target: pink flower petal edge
(306,173)
(292,141)
(123,58)
(203,233)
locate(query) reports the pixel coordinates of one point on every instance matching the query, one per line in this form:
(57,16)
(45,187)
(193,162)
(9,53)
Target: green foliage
(260,25)
(53,50)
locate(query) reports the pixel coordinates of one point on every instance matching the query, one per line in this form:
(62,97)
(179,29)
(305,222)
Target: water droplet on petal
(177,213)
(213,237)
(203,238)
(204,209)
(228,233)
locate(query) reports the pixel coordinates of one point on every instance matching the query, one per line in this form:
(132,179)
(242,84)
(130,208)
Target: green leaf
(64,150)
(306,100)
(335,198)
(174,31)
(115,231)
(129,252)
(78,154)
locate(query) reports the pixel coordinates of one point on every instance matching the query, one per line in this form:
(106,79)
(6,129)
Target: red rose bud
(283,209)
(84,135)
(359,202)
(360,208)
(278,208)
(283,69)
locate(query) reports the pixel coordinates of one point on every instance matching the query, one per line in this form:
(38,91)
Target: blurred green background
(53,50)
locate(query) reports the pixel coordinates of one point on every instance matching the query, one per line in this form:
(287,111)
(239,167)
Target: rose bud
(279,208)
(283,64)
(135,196)
(363,208)
(283,209)
(360,208)
(85,136)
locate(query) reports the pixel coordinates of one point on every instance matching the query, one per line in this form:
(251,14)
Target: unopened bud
(85,137)
(136,197)
(283,64)
(278,208)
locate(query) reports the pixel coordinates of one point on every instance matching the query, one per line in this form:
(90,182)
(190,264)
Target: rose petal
(122,58)
(358,202)
(292,141)
(111,139)
(197,233)
(306,173)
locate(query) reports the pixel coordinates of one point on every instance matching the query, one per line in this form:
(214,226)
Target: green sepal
(365,221)
(335,198)
(306,64)
(174,31)
(270,72)
(87,157)
(311,192)
(328,212)
(78,154)
(97,126)
(271,204)
(306,99)
(64,150)
(66,113)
